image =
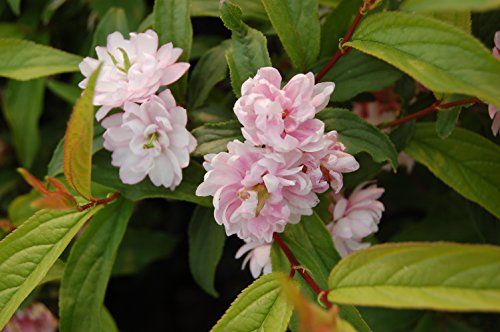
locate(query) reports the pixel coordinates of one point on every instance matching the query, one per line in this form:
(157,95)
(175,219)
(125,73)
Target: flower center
(126,61)
(262,196)
(151,141)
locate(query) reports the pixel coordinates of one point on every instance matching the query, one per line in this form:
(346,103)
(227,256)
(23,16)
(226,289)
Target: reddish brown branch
(428,110)
(295,266)
(366,6)
(102,201)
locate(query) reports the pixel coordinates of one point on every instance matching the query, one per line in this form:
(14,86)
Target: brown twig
(428,110)
(366,6)
(95,202)
(295,266)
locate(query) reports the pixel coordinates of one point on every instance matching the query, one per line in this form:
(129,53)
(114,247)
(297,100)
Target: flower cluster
(34,318)
(492,109)
(355,217)
(273,178)
(149,138)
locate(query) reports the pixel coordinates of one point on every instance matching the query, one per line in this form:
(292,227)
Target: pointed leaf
(434,53)
(358,135)
(248,50)
(89,266)
(77,152)
(297,25)
(204,232)
(440,276)
(27,254)
(24,60)
(262,306)
(465,161)
(115,19)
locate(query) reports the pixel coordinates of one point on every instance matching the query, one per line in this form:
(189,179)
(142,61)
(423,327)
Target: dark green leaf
(114,20)
(465,161)
(205,233)
(67,92)
(358,135)
(449,5)
(89,267)
(22,115)
(213,137)
(210,70)
(15,5)
(104,173)
(297,25)
(447,121)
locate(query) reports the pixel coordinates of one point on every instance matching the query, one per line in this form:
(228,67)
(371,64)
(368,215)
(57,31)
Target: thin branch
(428,110)
(102,201)
(295,266)
(363,9)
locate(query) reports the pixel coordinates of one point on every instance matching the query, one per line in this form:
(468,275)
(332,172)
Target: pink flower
(492,109)
(384,108)
(355,217)
(259,256)
(325,167)
(257,191)
(34,318)
(132,70)
(282,118)
(150,139)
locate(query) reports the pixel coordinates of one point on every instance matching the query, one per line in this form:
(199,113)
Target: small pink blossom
(34,318)
(132,70)
(325,167)
(355,217)
(384,108)
(258,254)
(150,139)
(282,118)
(257,191)
(493,111)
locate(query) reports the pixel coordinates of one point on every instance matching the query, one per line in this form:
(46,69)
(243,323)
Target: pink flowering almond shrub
(133,69)
(355,217)
(274,147)
(151,140)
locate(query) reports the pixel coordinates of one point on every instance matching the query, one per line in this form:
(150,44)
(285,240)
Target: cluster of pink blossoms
(149,138)
(34,318)
(273,178)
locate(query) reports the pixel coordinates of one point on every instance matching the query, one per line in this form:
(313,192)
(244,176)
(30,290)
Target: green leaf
(172,22)
(141,247)
(210,70)
(213,137)
(336,25)
(204,232)
(88,268)
(77,150)
(434,53)
(24,60)
(251,9)
(262,306)
(27,254)
(15,6)
(447,121)
(65,91)
(105,174)
(449,5)
(248,50)
(465,161)
(357,72)
(108,324)
(20,208)
(460,19)
(114,20)
(358,135)
(49,10)
(13,30)
(22,115)
(134,9)
(313,247)
(440,276)
(297,25)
